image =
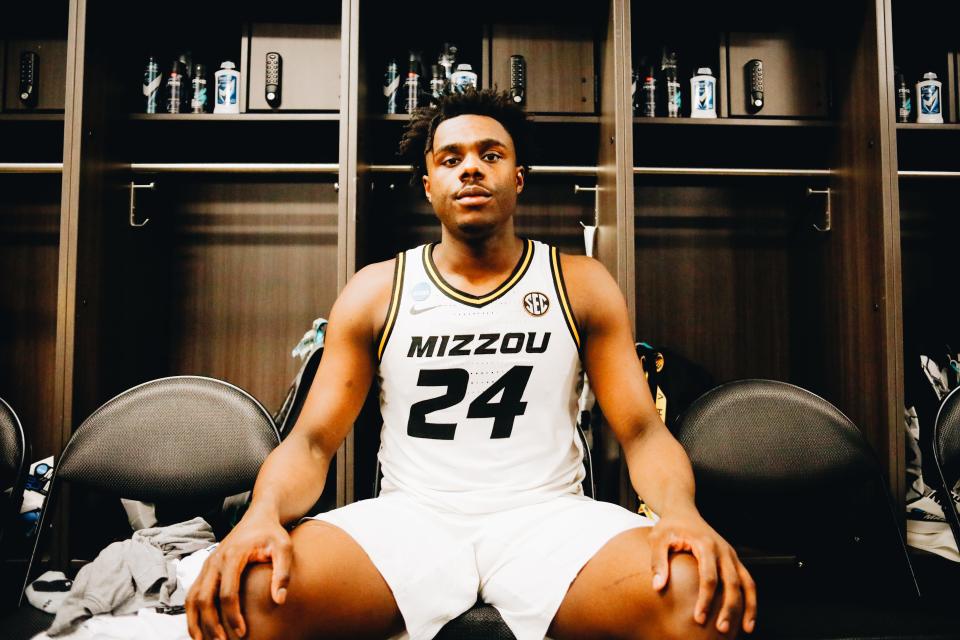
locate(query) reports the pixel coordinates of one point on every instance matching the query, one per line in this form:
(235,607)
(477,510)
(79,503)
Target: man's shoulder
(580,270)
(369,289)
(591,288)
(376,272)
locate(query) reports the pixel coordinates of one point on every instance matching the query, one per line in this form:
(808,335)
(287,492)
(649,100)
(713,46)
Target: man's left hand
(718,564)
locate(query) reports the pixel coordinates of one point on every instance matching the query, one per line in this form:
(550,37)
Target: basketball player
(478,343)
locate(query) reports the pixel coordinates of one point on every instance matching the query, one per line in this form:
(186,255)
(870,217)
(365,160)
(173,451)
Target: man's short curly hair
(418,135)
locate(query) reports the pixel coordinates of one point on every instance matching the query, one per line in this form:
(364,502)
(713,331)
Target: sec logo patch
(536,303)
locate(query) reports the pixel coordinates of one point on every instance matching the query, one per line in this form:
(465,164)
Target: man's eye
(491,157)
(450,161)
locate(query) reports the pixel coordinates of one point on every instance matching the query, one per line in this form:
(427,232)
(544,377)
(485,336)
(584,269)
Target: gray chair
(14,454)
(791,483)
(14,464)
(781,471)
(182,439)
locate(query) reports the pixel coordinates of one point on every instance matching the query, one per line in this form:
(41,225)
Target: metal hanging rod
(707,171)
(234,167)
(334,168)
(929,174)
(31,167)
(571,170)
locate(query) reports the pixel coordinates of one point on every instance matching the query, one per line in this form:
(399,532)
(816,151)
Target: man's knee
(680,600)
(257,604)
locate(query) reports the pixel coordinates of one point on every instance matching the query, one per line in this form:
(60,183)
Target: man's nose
(471,166)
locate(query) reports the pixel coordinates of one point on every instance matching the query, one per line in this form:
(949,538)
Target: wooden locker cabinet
(923,178)
(236,249)
(32,192)
(730,269)
(258,220)
(31,163)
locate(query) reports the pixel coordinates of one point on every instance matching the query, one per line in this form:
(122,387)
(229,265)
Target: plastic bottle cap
(227,65)
(464,67)
(704,71)
(930,75)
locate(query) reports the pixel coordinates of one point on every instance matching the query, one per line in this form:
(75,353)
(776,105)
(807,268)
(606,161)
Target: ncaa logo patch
(535,303)
(421,291)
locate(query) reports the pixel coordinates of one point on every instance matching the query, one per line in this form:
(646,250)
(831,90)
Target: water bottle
(391,86)
(463,78)
(227,79)
(703,91)
(151,84)
(928,99)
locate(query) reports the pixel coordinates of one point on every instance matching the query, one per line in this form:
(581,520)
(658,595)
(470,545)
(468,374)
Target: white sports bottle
(228,89)
(929,99)
(703,91)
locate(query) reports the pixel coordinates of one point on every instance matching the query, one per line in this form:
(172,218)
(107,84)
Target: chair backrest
(946,453)
(13,448)
(183,436)
(182,439)
(14,451)
(781,470)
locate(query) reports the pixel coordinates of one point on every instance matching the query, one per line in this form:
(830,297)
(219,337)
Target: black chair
(184,440)
(946,454)
(292,405)
(791,483)
(14,454)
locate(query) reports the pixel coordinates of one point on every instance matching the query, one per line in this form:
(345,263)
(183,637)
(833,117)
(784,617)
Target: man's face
(472,176)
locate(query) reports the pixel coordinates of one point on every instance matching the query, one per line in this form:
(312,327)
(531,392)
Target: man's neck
(477,262)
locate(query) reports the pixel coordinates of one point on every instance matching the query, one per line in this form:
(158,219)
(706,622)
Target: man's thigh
(335,591)
(387,554)
(613,596)
(529,556)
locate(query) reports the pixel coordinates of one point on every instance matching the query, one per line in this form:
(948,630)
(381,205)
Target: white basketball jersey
(479,393)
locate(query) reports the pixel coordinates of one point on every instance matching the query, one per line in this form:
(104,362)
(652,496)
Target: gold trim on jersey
(394,303)
(561,286)
(467,298)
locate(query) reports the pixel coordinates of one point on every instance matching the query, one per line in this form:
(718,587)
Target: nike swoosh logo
(417,310)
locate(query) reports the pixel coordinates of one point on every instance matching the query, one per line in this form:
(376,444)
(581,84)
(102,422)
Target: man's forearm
(290,481)
(660,471)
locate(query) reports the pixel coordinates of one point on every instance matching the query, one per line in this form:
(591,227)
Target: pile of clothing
(134,588)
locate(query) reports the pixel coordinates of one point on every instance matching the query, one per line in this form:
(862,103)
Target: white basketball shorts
(522,560)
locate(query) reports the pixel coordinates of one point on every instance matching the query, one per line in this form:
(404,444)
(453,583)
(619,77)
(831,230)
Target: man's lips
(472,193)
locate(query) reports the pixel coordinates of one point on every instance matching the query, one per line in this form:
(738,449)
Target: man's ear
(426,187)
(521,178)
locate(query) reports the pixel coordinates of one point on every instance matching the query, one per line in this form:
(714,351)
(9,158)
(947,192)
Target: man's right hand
(214,598)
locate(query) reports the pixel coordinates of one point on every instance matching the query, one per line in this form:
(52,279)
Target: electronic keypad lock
(29,78)
(273,79)
(754,85)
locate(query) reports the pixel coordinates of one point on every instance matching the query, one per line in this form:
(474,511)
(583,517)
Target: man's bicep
(611,362)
